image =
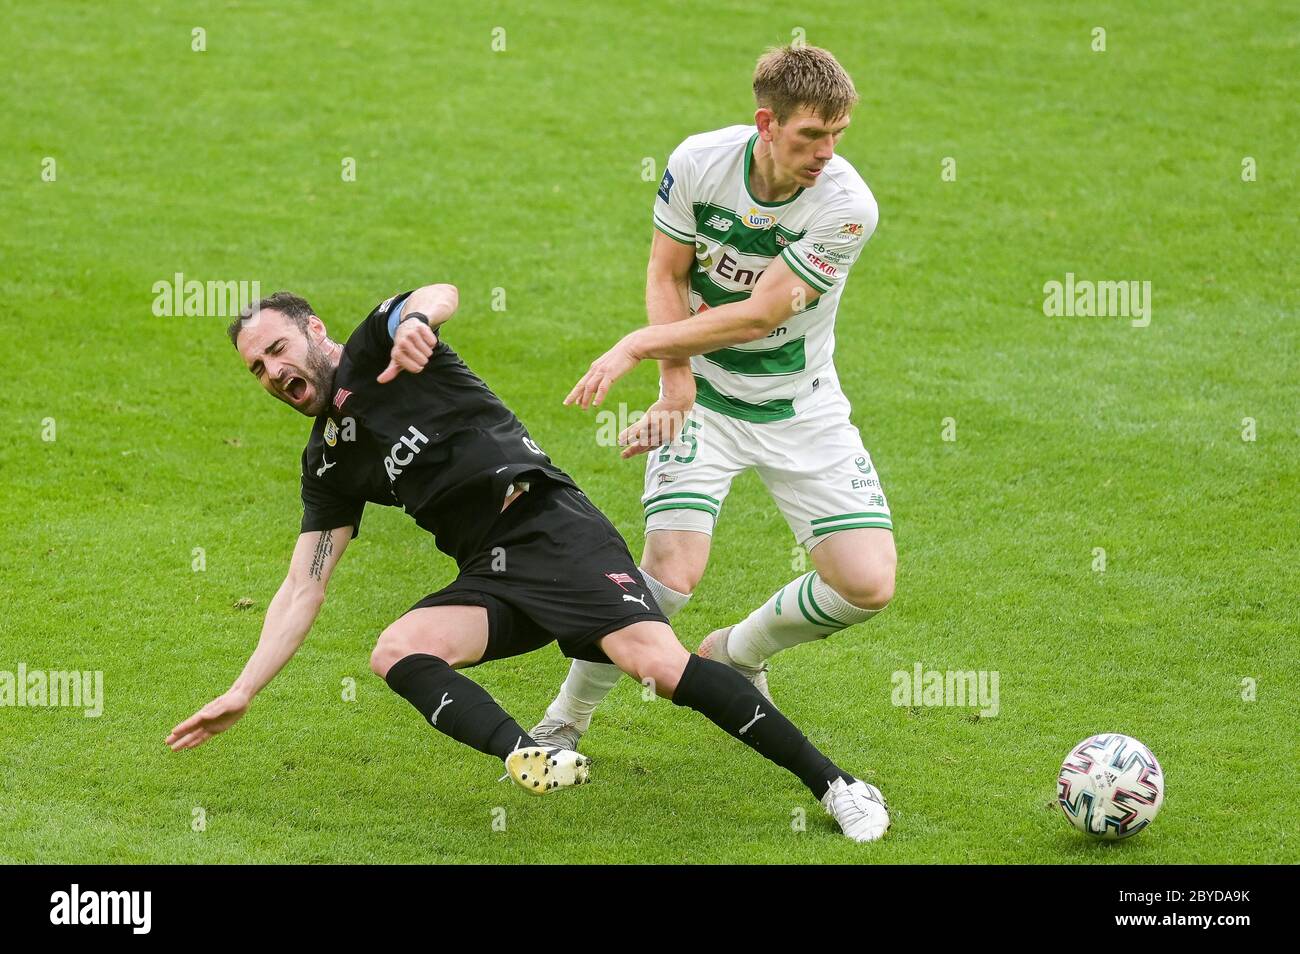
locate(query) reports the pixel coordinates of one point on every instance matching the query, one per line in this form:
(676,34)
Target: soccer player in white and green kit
(756,230)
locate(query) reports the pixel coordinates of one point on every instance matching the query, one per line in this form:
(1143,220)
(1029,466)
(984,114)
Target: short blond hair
(788,77)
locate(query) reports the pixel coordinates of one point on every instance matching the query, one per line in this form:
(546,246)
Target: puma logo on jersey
(750,724)
(395,462)
(446,701)
(325,465)
(628,598)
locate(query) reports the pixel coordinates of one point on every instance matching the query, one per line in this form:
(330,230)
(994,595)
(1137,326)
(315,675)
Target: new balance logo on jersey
(628,598)
(396,461)
(750,724)
(716,221)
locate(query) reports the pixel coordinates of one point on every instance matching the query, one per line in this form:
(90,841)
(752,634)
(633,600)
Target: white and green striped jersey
(704,200)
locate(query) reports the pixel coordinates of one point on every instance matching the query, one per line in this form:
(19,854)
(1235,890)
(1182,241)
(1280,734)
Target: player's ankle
(562,712)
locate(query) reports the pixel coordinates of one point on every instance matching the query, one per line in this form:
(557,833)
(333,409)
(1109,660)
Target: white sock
(799,612)
(588,683)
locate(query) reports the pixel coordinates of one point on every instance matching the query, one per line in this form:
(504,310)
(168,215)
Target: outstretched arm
(779,295)
(288,620)
(667,300)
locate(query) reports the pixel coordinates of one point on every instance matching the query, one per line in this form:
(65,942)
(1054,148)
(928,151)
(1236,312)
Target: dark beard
(320,371)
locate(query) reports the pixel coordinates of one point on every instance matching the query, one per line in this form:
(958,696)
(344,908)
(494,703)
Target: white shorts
(813,465)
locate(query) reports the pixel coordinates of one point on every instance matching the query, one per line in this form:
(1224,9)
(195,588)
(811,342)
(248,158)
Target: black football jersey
(438,443)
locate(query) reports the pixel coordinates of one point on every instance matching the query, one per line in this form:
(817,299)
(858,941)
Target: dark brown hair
(286,303)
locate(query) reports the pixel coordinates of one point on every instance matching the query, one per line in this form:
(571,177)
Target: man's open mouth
(295,389)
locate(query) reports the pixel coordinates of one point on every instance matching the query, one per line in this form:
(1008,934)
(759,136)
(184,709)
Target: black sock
(731,702)
(455,705)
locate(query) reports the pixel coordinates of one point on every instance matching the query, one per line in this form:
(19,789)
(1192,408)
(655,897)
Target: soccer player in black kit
(401,421)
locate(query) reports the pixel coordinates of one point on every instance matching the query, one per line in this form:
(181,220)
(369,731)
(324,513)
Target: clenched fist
(413,342)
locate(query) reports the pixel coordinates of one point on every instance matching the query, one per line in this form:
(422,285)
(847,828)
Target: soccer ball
(1110,786)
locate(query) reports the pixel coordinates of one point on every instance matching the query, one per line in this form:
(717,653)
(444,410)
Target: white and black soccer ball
(1110,786)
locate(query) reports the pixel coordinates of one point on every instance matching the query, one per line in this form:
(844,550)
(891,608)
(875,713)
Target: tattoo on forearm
(324,547)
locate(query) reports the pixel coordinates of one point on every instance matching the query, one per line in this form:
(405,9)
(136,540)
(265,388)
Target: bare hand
(217,716)
(660,425)
(413,342)
(602,374)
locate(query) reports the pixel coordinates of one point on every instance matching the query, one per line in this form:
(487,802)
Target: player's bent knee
(398,641)
(869,589)
(650,655)
(662,671)
(389,649)
(683,580)
(667,668)
(675,562)
(382,658)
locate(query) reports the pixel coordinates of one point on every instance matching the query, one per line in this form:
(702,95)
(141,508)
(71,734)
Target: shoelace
(850,798)
(859,799)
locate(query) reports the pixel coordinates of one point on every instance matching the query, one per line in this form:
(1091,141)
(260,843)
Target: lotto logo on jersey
(331,432)
(666,185)
(759,220)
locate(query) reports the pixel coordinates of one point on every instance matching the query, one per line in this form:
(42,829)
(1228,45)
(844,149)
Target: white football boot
(859,808)
(539,769)
(715,647)
(554,733)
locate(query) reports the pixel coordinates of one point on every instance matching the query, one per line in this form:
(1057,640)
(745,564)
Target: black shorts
(552,567)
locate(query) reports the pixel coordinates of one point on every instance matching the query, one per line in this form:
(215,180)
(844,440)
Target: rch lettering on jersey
(396,461)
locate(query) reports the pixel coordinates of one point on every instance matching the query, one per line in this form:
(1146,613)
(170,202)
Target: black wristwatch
(407,316)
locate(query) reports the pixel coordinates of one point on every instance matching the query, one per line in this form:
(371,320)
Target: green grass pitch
(522,169)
